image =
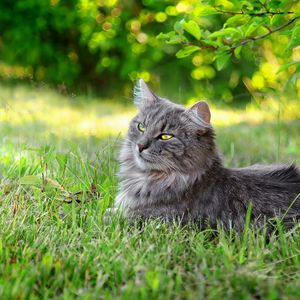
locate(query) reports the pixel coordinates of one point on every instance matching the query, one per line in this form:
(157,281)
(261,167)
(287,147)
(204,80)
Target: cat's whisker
(159,160)
(130,141)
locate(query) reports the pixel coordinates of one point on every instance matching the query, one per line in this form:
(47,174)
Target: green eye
(141,127)
(165,136)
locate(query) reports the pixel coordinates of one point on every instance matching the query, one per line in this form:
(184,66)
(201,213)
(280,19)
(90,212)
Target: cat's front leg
(117,210)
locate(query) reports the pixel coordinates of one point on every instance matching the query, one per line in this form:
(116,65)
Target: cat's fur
(183,177)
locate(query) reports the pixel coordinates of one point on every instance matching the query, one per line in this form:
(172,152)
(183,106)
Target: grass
(57,160)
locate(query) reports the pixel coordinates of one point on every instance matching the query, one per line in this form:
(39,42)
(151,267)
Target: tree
(238,40)
(230,48)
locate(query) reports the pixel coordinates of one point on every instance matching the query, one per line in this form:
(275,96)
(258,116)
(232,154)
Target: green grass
(57,179)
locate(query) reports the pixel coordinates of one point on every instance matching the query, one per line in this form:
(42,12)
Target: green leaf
(237,52)
(222,59)
(171,37)
(217,34)
(253,25)
(175,40)
(163,36)
(276,20)
(275,4)
(236,20)
(251,29)
(178,26)
(186,51)
(212,43)
(295,39)
(30,180)
(246,5)
(206,10)
(231,32)
(287,65)
(192,28)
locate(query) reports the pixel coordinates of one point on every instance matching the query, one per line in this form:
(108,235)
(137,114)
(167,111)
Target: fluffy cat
(171,169)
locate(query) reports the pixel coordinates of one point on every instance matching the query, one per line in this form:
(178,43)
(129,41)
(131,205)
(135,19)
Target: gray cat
(171,169)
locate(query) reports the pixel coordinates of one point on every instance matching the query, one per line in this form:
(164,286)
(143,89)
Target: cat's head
(167,137)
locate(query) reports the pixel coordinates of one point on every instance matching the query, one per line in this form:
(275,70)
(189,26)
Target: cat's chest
(142,189)
(136,184)
(133,187)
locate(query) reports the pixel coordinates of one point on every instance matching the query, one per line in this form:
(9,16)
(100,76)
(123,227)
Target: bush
(107,43)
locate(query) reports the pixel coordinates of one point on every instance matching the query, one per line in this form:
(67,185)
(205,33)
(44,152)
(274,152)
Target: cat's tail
(285,173)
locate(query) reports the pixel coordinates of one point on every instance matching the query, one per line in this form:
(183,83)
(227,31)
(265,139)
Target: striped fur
(184,178)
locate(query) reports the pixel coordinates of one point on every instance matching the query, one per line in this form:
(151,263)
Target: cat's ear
(202,110)
(142,94)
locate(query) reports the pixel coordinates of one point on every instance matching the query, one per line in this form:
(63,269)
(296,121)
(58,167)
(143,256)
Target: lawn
(58,165)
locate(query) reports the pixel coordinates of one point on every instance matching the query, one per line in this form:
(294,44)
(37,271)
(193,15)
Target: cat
(170,168)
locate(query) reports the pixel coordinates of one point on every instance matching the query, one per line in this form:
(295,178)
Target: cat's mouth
(145,162)
(145,159)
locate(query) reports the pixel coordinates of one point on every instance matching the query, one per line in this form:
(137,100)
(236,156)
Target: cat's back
(281,174)
(273,190)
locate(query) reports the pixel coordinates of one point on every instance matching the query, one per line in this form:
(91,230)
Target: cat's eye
(141,127)
(165,136)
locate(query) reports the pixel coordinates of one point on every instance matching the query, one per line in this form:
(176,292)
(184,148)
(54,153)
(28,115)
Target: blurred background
(101,46)
(67,67)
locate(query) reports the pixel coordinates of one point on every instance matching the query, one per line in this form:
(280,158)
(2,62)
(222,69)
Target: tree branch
(261,14)
(258,37)
(246,40)
(230,47)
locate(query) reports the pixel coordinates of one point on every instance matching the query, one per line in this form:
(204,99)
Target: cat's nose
(141,147)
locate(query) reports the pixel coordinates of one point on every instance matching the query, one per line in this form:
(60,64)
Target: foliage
(238,35)
(230,48)
(57,179)
(242,27)
(75,42)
